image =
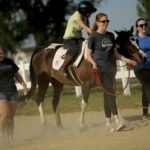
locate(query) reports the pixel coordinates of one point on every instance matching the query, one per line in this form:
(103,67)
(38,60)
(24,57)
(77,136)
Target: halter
(97,73)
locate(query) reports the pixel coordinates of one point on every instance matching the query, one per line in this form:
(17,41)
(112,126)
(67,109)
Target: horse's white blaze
(82,115)
(42,115)
(133,41)
(142,53)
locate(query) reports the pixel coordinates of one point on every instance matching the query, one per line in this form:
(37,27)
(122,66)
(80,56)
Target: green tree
(143,9)
(44,19)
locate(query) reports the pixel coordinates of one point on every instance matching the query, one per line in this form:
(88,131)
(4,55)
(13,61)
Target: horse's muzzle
(139,56)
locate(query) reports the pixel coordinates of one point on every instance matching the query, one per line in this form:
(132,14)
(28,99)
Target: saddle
(60,57)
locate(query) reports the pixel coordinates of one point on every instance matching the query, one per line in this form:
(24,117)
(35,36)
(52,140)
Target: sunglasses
(142,25)
(104,21)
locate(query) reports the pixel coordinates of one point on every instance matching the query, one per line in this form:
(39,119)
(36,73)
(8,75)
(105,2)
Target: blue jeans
(10,96)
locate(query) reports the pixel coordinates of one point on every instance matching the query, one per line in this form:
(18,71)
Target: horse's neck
(122,51)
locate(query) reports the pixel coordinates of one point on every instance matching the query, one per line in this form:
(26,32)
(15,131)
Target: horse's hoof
(60,127)
(82,127)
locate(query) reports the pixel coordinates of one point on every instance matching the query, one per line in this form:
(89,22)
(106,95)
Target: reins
(98,81)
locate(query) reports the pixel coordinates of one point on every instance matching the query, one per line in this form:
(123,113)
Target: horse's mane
(122,37)
(124,33)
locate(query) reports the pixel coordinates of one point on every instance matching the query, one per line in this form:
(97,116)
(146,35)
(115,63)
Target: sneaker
(110,128)
(145,117)
(119,126)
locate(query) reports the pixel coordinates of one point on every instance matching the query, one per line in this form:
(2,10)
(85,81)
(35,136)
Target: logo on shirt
(107,44)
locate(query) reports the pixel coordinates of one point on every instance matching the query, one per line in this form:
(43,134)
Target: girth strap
(74,75)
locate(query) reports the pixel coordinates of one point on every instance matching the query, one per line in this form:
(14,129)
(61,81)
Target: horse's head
(128,46)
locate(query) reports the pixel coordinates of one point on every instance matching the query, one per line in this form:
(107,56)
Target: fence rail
(122,74)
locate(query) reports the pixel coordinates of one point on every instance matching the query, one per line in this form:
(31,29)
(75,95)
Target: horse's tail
(33,82)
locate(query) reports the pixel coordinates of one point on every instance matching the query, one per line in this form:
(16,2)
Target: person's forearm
(90,59)
(121,57)
(82,25)
(20,79)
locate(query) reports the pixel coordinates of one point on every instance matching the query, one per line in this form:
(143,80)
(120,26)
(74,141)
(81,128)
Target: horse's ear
(132,29)
(116,34)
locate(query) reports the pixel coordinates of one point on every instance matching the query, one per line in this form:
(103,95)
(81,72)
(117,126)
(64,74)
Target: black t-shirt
(102,46)
(7,71)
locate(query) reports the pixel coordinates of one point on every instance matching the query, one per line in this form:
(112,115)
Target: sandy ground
(30,136)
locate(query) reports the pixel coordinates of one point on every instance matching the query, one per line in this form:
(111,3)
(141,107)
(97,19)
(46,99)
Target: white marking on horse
(42,115)
(83,109)
(58,119)
(53,46)
(133,41)
(142,53)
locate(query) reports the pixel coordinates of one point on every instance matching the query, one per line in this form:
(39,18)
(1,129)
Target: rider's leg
(72,44)
(67,61)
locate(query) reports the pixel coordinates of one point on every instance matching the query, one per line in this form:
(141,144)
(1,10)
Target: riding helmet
(86,7)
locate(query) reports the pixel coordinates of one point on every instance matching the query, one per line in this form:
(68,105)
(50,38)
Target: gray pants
(109,83)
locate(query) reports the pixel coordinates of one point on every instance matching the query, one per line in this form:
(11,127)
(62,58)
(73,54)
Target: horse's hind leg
(42,88)
(84,102)
(58,87)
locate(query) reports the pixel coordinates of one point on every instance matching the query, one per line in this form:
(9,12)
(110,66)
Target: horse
(42,73)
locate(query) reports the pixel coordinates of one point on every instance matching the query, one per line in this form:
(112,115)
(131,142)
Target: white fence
(121,74)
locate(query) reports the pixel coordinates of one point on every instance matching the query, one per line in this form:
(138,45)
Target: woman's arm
(21,81)
(82,25)
(121,57)
(90,59)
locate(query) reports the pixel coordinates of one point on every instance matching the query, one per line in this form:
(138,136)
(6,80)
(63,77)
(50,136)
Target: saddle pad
(59,58)
(61,53)
(84,47)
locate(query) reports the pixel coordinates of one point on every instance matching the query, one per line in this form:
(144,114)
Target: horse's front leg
(58,87)
(84,103)
(82,114)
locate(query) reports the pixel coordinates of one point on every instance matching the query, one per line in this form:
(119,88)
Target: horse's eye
(132,39)
(137,41)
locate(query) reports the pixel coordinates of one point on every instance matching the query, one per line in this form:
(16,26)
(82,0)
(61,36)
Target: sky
(121,13)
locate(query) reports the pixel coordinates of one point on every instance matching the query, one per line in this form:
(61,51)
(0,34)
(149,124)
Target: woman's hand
(132,63)
(25,90)
(95,66)
(21,81)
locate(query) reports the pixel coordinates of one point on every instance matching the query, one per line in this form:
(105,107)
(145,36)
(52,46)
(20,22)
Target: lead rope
(98,81)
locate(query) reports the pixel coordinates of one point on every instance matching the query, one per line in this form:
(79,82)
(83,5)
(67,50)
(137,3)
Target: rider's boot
(67,61)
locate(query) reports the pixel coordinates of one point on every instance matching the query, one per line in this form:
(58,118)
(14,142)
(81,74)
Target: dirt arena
(30,136)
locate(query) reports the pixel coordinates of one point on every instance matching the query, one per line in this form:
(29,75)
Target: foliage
(44,19)
(143,8)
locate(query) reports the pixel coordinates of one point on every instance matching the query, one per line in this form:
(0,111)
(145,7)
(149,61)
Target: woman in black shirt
(101,54)
(8,94)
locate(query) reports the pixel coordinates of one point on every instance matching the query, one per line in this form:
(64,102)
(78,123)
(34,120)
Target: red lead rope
(97,75)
